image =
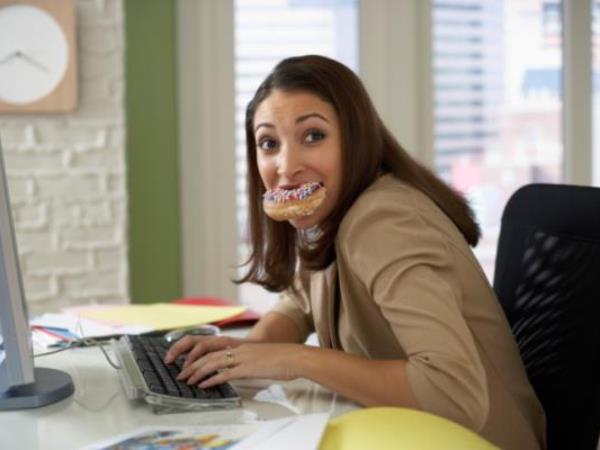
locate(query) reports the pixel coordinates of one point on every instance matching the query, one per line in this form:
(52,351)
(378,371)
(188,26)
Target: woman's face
(298,141)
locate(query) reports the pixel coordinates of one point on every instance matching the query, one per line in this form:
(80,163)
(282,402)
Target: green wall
(152,150)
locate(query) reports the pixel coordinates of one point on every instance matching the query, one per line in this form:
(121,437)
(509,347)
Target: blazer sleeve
(407,268)
(295,304)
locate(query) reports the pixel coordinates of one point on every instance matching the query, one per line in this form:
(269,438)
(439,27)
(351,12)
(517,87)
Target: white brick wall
(67,177)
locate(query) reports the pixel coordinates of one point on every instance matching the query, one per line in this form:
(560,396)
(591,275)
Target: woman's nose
(289,162)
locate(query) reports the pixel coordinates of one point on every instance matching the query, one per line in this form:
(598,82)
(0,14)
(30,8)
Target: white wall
(67,177)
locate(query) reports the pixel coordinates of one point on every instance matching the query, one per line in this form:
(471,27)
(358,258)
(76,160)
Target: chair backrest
(547,279)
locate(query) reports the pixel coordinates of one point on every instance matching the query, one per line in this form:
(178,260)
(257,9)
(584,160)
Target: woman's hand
(196,346)
(240,360)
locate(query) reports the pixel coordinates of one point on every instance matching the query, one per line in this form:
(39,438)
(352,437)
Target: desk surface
(99,409)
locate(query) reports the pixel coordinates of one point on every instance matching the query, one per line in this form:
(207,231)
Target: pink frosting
(300,193)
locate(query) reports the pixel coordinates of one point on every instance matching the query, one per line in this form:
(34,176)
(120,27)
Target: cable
(100,407)
(110,361)
(83,342)
(70,345)
(89,342)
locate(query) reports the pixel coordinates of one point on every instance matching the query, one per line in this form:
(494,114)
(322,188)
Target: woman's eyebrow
(300,119)
(303,117)
(263,124)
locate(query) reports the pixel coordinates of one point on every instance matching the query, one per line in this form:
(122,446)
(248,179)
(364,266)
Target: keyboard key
(164,375)
(186,390)
(227,390)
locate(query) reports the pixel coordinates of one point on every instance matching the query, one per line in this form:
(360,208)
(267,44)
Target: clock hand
(32,61)
(10,56)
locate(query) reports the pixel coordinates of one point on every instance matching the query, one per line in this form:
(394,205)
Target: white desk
(99,409)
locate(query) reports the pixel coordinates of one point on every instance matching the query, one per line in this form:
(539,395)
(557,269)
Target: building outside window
(497,102)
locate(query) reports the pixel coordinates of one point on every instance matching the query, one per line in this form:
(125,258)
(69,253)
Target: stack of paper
(101,321)
(161,316)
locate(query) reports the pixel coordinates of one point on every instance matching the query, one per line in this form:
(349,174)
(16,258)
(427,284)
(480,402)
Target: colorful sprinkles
(284,195)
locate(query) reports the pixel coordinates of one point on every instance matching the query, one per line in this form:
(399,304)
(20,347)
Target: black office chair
(547,279)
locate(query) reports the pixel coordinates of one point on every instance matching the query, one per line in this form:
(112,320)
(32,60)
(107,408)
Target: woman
(381,270)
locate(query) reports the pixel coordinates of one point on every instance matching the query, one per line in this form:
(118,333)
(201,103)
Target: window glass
(267,31)
(497,102)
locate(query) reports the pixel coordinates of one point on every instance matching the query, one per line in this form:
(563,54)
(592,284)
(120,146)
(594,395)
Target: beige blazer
(410,288)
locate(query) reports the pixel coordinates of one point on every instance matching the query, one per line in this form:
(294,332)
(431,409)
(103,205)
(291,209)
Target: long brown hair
(368,150)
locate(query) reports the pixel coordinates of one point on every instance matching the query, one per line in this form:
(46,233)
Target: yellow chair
(389,428)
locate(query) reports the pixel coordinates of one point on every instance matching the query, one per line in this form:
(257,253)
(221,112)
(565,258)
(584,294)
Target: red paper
(246,318)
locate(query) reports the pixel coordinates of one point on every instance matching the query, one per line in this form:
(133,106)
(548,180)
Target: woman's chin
(304,222)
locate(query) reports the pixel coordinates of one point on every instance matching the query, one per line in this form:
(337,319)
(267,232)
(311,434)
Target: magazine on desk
(302,432)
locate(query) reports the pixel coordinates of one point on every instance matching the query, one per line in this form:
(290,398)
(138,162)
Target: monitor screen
(22,385)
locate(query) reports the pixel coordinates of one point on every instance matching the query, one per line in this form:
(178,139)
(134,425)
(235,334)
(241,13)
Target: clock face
(33,54)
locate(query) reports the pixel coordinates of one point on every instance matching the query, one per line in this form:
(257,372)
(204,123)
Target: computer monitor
(22,385)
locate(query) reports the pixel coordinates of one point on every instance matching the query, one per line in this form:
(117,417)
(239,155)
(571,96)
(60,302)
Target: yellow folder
(162,316)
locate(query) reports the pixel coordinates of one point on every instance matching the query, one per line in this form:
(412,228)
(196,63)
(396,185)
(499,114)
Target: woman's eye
(267,144)
(314,136)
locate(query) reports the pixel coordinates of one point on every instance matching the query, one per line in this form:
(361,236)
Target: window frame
(205,49)
(395,63)
(577,91)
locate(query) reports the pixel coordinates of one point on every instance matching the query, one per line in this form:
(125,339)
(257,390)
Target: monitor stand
(50,386)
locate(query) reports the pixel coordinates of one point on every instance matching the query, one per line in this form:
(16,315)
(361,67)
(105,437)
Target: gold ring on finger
(229,359)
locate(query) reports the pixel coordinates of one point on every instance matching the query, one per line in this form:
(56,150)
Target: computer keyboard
(144,375)
(149,353)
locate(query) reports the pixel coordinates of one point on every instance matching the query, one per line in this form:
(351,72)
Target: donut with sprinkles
(288,204)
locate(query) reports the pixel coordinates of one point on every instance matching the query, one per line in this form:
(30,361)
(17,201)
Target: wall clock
(38,59)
